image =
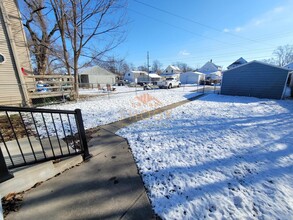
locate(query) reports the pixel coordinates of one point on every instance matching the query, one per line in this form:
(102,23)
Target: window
(128,74)
(2,59)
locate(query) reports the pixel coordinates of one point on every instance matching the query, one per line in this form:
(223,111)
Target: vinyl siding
(101,79)
(255,79)
(9,89)
(18,33)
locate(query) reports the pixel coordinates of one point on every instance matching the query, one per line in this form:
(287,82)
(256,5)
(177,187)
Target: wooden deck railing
(43,86)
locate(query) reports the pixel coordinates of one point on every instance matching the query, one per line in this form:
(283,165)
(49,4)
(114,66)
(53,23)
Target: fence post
(4,173)
(82,136)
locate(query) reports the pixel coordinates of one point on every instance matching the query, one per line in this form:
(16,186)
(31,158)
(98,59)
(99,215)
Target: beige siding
(9,90)
(20,41)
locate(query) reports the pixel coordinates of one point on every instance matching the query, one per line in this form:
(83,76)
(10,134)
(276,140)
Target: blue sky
(196,31)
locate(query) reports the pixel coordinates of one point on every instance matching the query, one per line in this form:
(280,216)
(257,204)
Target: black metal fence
(29,135)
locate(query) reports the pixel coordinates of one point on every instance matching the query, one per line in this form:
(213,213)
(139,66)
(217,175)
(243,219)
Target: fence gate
(29,136)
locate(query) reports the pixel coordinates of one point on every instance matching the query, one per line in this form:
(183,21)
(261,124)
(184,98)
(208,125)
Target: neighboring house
(238,62)
(209,67)
(14,56)
(141,77)
(290,78)
(211,70)
(92,76)
(191,77)
(289,66)
(133,76)
(255,79)
(154,78)
(171,71)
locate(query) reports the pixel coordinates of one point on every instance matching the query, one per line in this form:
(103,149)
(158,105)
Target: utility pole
(148,63)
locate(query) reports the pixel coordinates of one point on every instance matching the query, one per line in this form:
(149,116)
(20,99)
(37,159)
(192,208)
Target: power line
(191,32)
(196,22)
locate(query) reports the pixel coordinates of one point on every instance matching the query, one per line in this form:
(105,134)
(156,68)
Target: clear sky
(195,31)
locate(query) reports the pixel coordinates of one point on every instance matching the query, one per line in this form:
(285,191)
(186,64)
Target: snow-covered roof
(175,68)
(95,70)
(138,71)
(289,66)
(256,61)
(154,75)
(209,67)
(190,72)
(240,61)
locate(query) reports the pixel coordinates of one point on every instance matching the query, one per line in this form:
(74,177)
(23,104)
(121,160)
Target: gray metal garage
(255,79)
(92,76)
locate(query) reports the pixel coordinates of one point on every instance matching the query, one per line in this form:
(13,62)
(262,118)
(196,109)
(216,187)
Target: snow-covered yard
(219,157)
(106,109)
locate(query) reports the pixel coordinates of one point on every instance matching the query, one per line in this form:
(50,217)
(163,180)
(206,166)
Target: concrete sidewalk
(108,186)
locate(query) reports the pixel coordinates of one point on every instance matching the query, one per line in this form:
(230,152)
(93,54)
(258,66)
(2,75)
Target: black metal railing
(33,135)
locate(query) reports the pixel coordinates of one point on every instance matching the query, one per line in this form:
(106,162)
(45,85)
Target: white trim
(3,58)
(285,86)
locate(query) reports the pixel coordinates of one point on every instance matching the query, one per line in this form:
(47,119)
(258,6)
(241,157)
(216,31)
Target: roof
(240,61)
(190,72)
(289,66)
(175,68)
(154,75)
(95,70)
(207,65)
(256,61)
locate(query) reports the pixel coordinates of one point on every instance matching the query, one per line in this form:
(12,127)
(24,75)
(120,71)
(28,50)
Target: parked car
(169,83)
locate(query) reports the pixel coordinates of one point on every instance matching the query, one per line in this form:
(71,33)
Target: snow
(220,157)
(103,110)
(118,89)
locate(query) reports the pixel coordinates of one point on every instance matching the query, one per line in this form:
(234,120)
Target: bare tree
(40,34)
(283,55)
(143,68)
(115,65)
(83,21)
(270,61)
(156,67)
(183,66)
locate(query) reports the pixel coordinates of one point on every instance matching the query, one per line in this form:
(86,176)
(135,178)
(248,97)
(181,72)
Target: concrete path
(108,186)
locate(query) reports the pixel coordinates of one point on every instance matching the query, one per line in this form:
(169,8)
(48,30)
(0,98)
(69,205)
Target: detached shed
(255,79)
(191,77)
(92,76)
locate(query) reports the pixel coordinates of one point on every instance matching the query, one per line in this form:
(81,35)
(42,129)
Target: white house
(211,70)
(132,75)
(95,75)
(141,77)
(289,66)
(238,62)
(191,77)
(171,71)
(290,78)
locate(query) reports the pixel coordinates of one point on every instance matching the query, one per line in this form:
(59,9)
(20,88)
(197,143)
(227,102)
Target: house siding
(255,79)
(10,92)
(11,8)
(101,79)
